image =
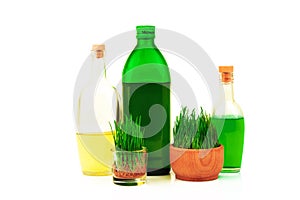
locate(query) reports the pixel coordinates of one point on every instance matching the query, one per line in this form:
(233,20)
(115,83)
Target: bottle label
(148,32)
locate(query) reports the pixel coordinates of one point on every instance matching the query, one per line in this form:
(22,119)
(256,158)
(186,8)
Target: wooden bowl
(197,164)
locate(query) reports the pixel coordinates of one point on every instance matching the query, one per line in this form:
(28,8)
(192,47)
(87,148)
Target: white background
(44,43)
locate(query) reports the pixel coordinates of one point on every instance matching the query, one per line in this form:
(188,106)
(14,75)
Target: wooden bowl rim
(183,149)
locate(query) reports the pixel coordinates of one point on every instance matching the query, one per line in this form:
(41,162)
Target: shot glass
(130,167)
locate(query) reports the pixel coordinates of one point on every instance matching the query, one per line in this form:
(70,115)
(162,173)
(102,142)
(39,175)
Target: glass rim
(143,150)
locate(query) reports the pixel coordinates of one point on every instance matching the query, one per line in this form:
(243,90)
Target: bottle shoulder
(145,55)
(228,108)
(146,65)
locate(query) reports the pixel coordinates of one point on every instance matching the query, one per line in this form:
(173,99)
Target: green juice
(151,101)
(231,136)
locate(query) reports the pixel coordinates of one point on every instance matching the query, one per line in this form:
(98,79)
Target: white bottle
(96,105)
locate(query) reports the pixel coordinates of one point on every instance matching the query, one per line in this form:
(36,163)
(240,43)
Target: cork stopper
(226,73)
(99,50)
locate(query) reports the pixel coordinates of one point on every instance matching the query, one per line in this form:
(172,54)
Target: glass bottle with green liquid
(229,122)
(146,94)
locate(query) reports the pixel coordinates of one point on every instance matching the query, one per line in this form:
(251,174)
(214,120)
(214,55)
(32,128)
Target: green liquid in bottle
(146,94)
(152,102)
(231,136)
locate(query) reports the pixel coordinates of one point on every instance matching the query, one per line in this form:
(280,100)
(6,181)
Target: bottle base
(230,170)
(93,173)
(158,172)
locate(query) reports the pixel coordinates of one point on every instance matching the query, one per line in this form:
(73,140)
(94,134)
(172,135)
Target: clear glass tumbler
(130,167)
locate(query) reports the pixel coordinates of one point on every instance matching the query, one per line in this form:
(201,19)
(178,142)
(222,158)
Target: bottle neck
(145,43)
(228,91)
(98,67)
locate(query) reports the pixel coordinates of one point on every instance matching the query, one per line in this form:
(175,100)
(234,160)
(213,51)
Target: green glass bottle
(229,123)
(146,94)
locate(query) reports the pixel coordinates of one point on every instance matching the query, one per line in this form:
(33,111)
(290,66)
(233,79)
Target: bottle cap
(98,48)
(225,68)
(145,31)
(226,73)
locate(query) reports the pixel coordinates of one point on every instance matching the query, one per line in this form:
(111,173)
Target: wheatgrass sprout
(192,131)
(128,135)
